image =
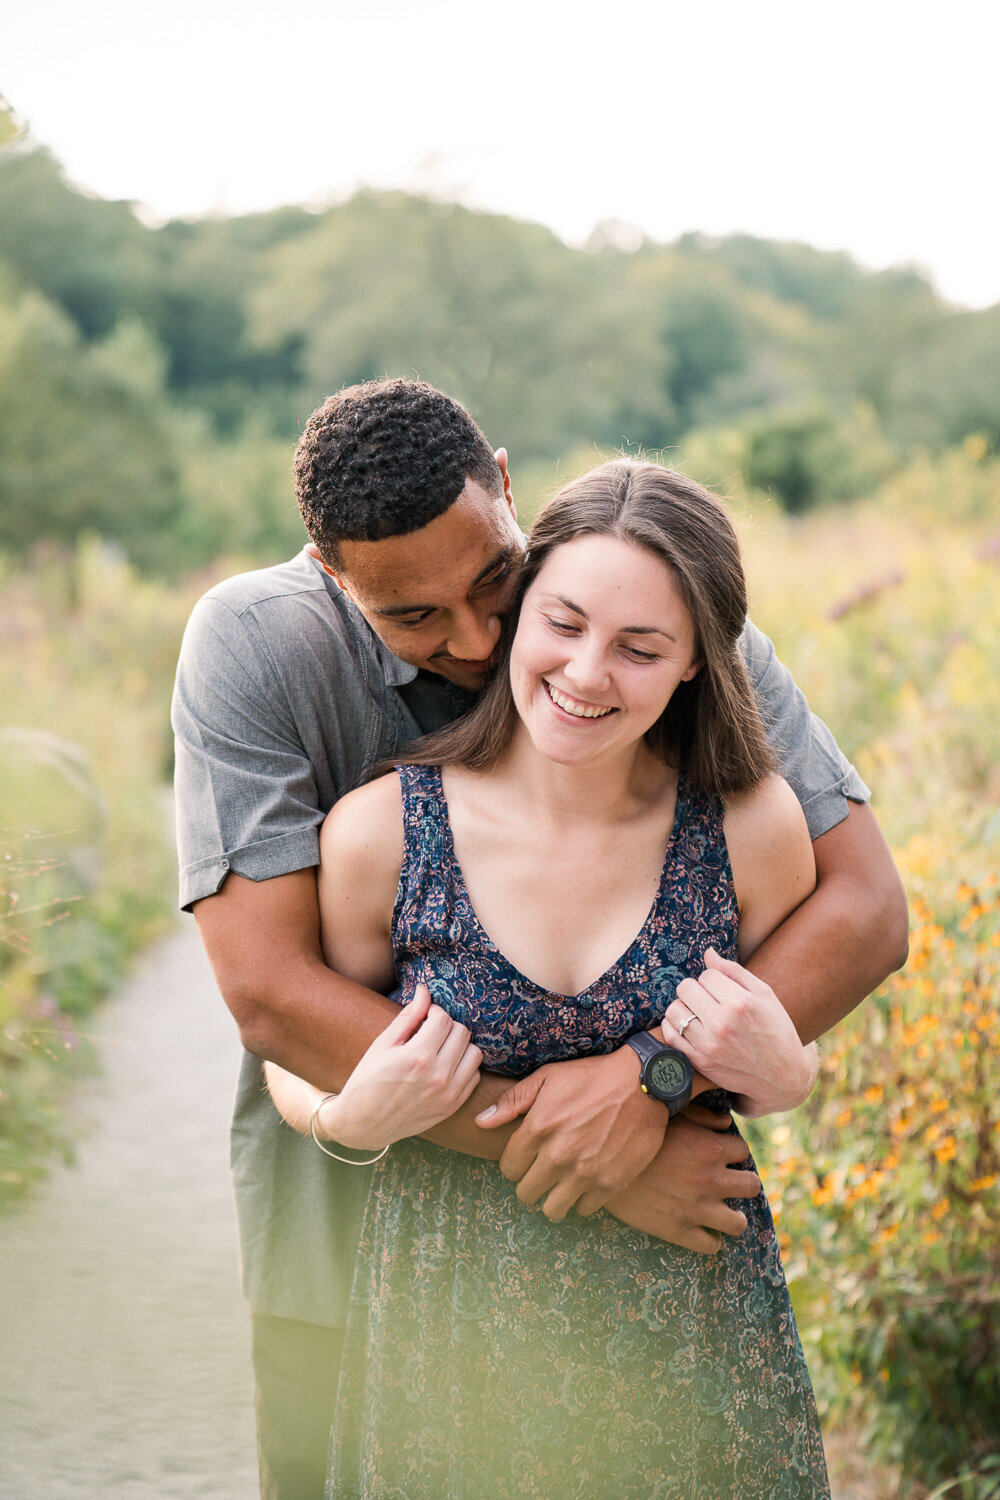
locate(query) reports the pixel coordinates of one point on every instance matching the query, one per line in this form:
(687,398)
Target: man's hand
(681,1196)
(589,1131)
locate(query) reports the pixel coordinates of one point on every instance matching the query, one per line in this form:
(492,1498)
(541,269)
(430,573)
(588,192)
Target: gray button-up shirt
(285,699)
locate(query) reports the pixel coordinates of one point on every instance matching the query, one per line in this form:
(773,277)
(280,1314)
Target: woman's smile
(574,707)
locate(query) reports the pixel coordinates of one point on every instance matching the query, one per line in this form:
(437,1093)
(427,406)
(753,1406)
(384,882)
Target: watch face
(668,1074)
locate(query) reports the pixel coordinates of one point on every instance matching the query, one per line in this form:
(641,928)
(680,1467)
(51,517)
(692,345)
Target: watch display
(666,1074)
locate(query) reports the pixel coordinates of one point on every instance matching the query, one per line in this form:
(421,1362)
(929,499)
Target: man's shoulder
(298,581)
(283,608)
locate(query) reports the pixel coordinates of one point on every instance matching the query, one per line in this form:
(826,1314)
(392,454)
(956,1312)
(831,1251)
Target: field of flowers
(887,1184)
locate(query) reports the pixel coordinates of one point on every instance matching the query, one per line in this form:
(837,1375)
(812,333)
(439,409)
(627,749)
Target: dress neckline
(680,813)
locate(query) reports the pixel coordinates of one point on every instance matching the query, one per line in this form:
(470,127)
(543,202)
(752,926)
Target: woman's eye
(564,627)
(637,655)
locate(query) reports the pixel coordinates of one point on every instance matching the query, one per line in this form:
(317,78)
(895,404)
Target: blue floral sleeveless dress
(491,1353)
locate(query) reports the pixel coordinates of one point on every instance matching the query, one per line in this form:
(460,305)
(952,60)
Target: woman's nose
(586,667)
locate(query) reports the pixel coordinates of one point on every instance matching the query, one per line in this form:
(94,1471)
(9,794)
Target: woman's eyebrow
(623,629)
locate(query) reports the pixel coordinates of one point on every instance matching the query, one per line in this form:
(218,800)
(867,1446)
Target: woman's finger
(454,1047)
(714,960)
(409,1021)
(723,988)
(437,1026)
(468,1069)
(695,1033)
(693,994)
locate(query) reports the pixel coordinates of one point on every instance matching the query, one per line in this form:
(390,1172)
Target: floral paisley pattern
(493,1354)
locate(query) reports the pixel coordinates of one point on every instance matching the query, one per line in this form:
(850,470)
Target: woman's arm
(422,1067)
(741,1036)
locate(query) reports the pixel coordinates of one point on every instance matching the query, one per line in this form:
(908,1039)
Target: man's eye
(409,624)
(495,579)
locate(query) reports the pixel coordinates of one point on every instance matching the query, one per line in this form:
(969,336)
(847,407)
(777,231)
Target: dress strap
(427,866)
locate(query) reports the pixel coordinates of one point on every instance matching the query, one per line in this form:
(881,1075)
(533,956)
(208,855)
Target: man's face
(435,596)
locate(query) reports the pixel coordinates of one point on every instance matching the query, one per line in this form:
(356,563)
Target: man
(293,682)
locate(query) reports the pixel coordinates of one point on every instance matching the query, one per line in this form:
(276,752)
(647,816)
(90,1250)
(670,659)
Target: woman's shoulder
(367,823)
(770,854)
(768,813)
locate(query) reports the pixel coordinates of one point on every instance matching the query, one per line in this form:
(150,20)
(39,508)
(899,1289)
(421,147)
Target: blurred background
(759,244)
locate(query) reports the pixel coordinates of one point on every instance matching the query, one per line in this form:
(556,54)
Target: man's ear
(501,458)
(313,551)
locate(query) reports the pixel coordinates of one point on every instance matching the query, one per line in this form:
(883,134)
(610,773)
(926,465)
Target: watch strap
(645,1046)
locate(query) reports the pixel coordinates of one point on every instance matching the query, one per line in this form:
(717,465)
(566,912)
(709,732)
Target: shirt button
(225,862)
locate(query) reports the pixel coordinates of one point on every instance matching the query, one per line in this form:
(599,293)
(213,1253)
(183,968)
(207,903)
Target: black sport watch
(666,1074)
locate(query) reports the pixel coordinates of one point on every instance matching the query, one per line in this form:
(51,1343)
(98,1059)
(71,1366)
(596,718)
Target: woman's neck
(597,792)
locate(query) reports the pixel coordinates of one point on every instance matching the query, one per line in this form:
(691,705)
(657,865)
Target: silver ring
(686,1023)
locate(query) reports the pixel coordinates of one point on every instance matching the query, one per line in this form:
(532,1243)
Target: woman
(616,760)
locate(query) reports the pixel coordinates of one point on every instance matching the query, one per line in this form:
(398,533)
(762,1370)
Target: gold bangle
(369,1161)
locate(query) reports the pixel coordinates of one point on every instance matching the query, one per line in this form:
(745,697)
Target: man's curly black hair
(383,459)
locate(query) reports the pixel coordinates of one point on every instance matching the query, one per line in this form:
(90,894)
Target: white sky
(868,125)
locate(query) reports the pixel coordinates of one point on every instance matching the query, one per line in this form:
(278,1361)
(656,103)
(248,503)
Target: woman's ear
(692,671)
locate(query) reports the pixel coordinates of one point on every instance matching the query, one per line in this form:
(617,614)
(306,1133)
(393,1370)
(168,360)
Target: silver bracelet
(369,1161)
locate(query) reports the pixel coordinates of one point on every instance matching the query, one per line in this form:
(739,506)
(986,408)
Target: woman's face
(602,641)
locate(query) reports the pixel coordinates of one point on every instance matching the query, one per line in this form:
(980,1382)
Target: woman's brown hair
(711,724)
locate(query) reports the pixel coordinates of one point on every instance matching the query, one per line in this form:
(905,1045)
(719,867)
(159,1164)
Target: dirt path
(125,1367)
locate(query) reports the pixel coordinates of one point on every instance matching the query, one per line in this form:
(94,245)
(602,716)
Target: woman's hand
(737,1033)
(420,1070)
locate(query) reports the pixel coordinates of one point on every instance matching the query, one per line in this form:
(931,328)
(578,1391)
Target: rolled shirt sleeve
(808,756)
(246,790)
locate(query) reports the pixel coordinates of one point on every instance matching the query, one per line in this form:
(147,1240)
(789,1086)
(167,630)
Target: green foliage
(89,441)
(86,876)
(146,373)
(887,1183)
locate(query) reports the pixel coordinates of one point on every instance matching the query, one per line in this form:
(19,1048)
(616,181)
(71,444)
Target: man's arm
(847,937)
(263,941)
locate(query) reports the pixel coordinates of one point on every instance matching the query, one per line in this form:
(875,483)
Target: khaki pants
(296,1367)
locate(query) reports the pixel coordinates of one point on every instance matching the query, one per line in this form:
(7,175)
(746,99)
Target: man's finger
(723,1218)
(590,1203)
(535,1183)
(558,1203)
(740,1184)
(699,1115)
(513,1102)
